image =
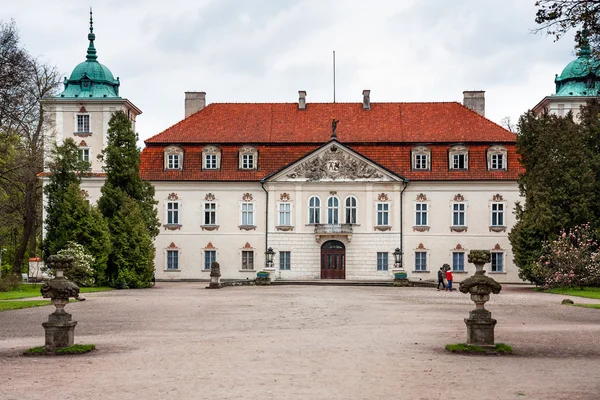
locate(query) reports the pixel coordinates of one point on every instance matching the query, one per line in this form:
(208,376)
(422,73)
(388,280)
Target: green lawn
(588,292)
(30,290)
(17,304)
(588,305)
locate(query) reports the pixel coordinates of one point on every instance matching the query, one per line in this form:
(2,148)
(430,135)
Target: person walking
(449,278)
(441,279)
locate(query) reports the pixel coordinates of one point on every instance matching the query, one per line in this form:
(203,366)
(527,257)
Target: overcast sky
(267,50)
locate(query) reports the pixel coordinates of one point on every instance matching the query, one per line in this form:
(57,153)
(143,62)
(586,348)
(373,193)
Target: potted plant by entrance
(263,278)
(400,275)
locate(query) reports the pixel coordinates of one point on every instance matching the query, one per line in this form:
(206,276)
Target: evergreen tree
(128,204)
(70,217)
(560,184)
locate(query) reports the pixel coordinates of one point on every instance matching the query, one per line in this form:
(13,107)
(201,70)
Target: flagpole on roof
(334,76)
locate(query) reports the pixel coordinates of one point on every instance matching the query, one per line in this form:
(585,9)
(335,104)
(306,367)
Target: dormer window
(211,157)
(174,157)
(458,157)
(248,158)
(421,158)
(496,158)
(83,123)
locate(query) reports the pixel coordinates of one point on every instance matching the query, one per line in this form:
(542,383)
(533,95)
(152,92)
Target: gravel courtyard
(180,341)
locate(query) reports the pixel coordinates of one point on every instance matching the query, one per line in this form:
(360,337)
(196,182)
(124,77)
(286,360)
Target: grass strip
(18,304)
(33,290)
(587,292)
(597,306)
(499,348)
(75,349)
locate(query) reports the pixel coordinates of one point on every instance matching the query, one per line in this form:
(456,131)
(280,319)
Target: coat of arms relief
(334,164)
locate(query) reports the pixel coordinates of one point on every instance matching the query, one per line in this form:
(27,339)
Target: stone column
(215,276)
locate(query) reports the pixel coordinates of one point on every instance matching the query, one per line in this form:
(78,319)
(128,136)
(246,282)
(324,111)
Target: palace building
(332,188)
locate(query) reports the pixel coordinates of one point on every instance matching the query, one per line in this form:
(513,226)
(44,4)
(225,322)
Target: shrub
(81,273)
(572,260)
(9,282)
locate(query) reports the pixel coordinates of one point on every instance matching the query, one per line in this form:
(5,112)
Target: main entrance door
(333,260)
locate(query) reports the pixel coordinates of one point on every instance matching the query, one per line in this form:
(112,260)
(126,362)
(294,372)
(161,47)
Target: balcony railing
(333,229)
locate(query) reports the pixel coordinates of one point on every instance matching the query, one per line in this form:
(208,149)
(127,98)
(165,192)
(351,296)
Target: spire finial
(91,51)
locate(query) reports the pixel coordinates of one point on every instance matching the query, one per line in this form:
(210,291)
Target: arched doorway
(333,260)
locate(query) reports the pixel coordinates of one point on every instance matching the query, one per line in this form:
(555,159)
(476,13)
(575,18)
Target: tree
(557,17)
(560,184)
(69,215)
(81,272)
(128,204)
(24,83)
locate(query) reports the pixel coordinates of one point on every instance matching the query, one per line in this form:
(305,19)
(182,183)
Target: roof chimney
(366,99)
(475,100)
(301,99)
(194,102)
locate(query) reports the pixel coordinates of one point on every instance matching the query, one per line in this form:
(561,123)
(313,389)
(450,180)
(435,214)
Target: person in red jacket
(449,279)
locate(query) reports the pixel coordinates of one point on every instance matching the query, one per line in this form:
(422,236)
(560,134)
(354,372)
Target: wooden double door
(333,260)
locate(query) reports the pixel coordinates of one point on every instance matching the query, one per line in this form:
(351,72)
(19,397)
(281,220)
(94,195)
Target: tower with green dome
(578,82)
(84,107)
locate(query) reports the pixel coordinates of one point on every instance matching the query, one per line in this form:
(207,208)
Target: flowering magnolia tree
(82,272)
(572,260)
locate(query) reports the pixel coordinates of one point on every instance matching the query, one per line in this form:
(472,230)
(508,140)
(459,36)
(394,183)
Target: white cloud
(267,50)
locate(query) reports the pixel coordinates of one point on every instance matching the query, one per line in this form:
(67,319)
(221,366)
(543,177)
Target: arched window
(314,210)
(333,210)
(350,210)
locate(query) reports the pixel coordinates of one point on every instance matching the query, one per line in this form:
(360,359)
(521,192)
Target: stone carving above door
(335,164)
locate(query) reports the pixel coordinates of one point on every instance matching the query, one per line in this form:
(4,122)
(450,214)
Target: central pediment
(334,162)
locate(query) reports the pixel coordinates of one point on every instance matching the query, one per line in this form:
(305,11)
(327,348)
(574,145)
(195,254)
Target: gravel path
(180,341)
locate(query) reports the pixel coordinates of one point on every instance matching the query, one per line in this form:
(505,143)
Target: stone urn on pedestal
(215,276)
(480,324)
(60,329)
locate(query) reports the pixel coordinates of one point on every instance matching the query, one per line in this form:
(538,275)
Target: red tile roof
(283,134)
(285,123)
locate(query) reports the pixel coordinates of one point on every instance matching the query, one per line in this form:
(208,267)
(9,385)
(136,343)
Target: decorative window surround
(284,217)
(458,158)
(211,158)
(172,254)
(248,158)
(458,214)
(421,259)
(421,158)
(247,258)
(209,215)
(382,215)
(498,214)
(421,214)
(497,158)
(173,158)
(83,123)
(497,262)
(350,210)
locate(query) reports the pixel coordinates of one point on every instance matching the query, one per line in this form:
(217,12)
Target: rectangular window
(382,261)
(83,123)
(210,161)
(285,214)
(210,213)
(247,259)
(420,161)
(421,214)
(421,261)
(247,161)
(173,161)
(285,260)
(172,259)
(458,214)
(172,212)
(497,262)
(498,214)
(84,155)
(209,257)
(458,261)
(383,214)
(458,161)
(497,161)
(248,214)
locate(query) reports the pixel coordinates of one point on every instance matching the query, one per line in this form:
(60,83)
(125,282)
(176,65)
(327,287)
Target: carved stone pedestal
(215,276)
(60,329)
(480,328)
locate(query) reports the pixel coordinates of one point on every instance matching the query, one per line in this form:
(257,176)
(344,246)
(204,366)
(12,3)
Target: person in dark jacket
(441,273)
